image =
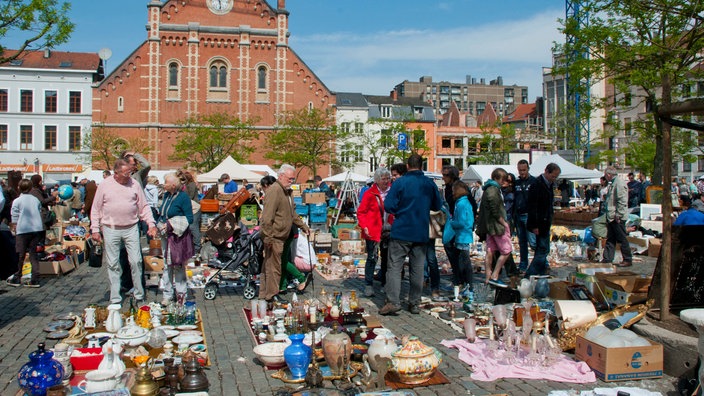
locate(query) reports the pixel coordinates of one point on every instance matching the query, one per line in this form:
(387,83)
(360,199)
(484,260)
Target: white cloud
(376,61)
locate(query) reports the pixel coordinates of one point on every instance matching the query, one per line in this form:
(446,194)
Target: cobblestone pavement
(25,311)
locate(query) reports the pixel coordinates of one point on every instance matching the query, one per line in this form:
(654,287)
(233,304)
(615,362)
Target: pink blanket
(489,369)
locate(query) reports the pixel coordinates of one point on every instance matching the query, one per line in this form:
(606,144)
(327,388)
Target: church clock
(219,7)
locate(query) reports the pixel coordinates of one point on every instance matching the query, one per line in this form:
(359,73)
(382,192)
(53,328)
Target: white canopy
(481,173)
(341,177)
(232,168)
(265,170)
(570,171)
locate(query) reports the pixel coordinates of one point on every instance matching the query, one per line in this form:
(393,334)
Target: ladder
(347,190)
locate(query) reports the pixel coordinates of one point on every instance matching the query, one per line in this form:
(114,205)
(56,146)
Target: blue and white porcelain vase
(40,373)
(297,356)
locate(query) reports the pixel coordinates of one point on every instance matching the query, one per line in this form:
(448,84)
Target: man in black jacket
(540,212)
(524,183)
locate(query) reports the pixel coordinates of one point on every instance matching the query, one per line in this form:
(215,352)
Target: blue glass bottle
(40,373)
(297,356)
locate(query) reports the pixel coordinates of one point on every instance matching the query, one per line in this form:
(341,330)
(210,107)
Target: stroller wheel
(250,291)
(210,291)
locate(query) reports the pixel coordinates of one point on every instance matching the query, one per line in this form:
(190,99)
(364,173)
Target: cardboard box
(56,267)
(639,245)
(625,287)
(314,198)
(653,225)
(351,247)
(153,264)
(618,364)
(151,278)
(654,247)
(323,237)
(345,234)
(558,291)
(79,244)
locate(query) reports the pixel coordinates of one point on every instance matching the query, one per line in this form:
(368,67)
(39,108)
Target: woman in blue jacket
(463,225)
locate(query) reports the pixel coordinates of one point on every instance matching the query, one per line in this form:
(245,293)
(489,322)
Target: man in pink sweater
(118,206)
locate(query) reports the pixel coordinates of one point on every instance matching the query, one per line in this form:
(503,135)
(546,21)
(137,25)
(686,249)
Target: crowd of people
(401,215)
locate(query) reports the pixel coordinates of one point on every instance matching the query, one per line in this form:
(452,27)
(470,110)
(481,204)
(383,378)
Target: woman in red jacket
(375,224)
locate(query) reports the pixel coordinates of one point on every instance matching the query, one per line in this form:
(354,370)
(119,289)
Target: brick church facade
(202,57)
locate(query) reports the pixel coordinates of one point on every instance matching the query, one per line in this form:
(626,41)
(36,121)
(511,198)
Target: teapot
(144,384)
(114,320)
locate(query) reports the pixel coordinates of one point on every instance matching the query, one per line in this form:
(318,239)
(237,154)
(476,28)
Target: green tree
(305,138)
(653,45)
(374,139)
(36,24)
(496,143)
(205,140)
(416,142)
(106,145)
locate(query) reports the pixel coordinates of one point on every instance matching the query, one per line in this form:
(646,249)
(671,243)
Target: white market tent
(570,171)
(97,175)
(341,177)
(481,173)
(232,168)
(264,170)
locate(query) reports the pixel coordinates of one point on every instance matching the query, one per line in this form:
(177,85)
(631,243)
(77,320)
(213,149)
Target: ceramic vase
(40,373)
(541,288)
(382,347)
(297,356)
(337,349)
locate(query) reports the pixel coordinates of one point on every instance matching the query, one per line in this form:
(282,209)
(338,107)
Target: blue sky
(369,46)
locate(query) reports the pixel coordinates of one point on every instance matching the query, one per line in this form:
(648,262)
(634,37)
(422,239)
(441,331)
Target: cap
(701,177)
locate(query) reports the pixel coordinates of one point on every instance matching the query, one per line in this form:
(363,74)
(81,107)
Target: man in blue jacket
(410,200)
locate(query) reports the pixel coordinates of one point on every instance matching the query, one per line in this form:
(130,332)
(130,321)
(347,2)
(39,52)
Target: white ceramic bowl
(271,353)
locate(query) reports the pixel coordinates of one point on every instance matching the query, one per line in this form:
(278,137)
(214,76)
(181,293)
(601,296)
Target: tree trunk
(666,255)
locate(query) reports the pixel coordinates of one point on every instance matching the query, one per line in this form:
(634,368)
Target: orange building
(201,57)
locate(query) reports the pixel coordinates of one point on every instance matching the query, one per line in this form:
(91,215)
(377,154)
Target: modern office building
(470,96)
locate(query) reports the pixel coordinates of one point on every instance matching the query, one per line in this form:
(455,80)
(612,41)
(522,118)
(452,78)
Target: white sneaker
(368,291)
(165,302)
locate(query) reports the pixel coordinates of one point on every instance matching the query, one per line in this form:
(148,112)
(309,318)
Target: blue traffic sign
(402,141)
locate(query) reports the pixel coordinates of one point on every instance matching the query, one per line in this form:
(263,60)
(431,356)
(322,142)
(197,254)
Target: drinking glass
(254,308)
(262,308)
(470,330)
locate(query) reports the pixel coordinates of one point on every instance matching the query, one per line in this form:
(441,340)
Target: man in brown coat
(277,218)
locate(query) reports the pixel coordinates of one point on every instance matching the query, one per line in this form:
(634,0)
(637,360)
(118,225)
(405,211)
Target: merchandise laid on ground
(107,349)
(568,331)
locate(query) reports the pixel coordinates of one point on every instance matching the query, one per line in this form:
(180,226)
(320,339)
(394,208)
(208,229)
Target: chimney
(394,95)
(47,53)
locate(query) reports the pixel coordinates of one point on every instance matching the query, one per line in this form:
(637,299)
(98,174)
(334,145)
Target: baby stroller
(238,262)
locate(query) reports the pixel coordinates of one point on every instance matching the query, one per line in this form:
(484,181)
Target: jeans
(195,230)
(370,266)
(616,233)
(539,265)
(111,258)
(398,250)
(525,239)
(465,273)
(431,265)
(453,256)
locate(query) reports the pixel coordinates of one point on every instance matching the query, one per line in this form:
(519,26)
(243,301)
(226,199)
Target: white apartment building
(45,111)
